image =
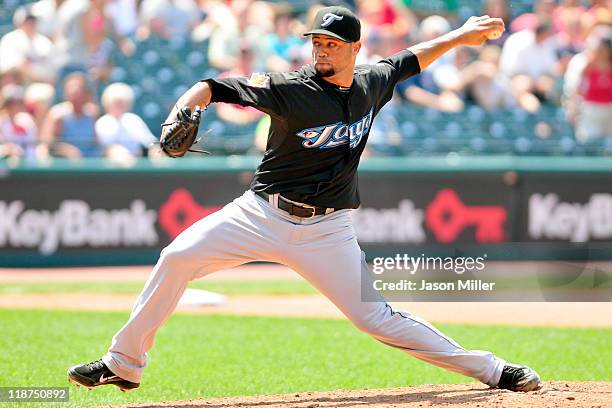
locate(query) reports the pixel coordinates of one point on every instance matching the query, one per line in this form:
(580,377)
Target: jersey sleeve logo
(259,80)
(329,18)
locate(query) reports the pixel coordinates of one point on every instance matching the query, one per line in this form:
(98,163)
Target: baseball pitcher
(297,211)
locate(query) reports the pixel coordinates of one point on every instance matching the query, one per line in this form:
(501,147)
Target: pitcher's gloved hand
(181,134)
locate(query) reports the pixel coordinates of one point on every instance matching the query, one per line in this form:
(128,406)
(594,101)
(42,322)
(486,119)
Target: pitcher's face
(331,55)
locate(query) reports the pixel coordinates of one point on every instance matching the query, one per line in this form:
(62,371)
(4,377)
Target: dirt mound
(552,394)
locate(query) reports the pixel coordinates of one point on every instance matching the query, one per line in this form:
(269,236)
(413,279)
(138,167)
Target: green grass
(206,356)
(234,287)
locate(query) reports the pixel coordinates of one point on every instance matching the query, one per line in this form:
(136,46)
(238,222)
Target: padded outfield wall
(94,213)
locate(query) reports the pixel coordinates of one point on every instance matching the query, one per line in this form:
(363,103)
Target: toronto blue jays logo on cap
(337,22)
(329,18)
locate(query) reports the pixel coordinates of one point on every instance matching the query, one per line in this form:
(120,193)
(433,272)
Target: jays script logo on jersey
(329,136)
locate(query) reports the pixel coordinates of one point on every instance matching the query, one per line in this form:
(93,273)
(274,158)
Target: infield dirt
(552,395)
(548,314)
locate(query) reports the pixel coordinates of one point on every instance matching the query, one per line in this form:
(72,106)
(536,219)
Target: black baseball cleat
(519,378)
(96,373)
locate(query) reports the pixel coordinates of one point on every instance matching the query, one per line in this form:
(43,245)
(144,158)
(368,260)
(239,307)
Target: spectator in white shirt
(125,16)
(46,12)
(168,18)
(27,50)
(123,135)
(529,59)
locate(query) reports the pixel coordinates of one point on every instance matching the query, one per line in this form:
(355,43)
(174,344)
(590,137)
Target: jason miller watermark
(429,274)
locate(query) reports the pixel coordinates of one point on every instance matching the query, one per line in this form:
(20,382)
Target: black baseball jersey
(318,129)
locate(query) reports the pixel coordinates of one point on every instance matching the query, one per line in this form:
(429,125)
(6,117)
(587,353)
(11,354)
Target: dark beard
(325,73)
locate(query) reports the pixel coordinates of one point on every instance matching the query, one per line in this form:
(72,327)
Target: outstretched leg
(238,233)
(333,264)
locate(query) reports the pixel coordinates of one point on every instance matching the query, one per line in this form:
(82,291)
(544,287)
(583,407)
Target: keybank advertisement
(79,224)
(64,215)
(568,209)
(108,216)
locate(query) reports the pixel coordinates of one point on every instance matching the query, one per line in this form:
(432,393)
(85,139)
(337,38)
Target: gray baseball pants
(322,249)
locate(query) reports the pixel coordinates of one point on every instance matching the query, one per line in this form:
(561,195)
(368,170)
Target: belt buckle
(310,207)
(301,205)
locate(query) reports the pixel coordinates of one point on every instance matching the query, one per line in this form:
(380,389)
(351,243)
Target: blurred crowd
(58,53)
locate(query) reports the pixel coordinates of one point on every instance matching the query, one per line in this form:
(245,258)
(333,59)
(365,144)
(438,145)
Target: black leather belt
(304,211)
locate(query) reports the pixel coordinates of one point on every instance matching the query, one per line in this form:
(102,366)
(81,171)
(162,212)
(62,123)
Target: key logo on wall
(180,211)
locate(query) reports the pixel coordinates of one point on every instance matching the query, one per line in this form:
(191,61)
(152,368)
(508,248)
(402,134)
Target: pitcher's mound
(553,394)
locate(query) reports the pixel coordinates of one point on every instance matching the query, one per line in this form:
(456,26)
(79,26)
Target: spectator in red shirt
(18,132)
(588,86)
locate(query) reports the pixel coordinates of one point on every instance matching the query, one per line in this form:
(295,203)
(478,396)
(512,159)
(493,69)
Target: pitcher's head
(335,35)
